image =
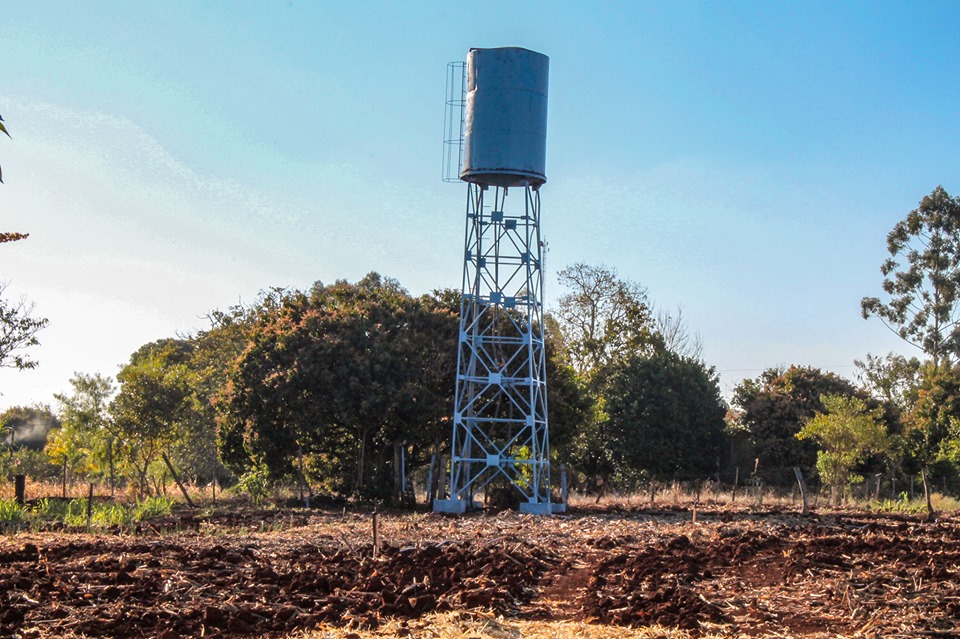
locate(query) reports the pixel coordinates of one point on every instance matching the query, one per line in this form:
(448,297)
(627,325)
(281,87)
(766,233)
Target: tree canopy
(603,317)
(847,431)
(343,374)
(664,418)
(922,278)
(775,407)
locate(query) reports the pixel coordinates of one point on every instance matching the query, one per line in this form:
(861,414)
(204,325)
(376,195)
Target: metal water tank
(505,134)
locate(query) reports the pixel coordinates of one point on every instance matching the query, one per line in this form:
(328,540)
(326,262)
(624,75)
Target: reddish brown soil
(732,573)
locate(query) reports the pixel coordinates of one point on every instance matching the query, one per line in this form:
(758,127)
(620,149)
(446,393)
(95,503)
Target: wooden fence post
(20,488)
(90,506)
(376,533)
(805,509)
(736,480)
(563,484)
(442,480)
(431,489)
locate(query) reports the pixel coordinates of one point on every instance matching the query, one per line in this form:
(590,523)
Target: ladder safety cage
(454,121)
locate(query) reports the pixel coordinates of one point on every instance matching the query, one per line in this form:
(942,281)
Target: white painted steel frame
(500,412)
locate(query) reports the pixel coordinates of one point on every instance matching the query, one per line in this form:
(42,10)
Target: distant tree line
(339,388)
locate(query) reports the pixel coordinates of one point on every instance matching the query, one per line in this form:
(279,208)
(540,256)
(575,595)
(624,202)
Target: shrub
(255,484)
(153,507)
(10,511)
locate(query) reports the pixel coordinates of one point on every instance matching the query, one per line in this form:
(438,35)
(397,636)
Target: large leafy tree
(775,407)
(922,278)
(343,374)
(847,432)
(664,418)
(895,381)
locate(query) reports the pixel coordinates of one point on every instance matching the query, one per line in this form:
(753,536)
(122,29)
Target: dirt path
(562,589)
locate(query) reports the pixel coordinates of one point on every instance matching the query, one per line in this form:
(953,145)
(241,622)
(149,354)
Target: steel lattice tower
(500,412)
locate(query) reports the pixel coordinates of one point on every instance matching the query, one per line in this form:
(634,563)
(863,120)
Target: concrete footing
(454,506)
(537,508)
(460,506)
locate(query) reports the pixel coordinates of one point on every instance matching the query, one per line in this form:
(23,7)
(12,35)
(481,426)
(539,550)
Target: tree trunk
(113,483)
(300,474)
(173,473)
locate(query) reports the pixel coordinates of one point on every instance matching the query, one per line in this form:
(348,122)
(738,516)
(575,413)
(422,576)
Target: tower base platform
(460,506)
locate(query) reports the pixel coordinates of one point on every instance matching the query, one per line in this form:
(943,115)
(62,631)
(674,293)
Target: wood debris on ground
(733,573)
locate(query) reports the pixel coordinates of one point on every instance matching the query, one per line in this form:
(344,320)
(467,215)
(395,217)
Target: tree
(924,292)
(344,376)
(87,432)
(18,331)
(775,407)
(676,335)
(571,405)
(933,424)
(664,418)
(893,379)
(153,401)
(603,317)
(847,432)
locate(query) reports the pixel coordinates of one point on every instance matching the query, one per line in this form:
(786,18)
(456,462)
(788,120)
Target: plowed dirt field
(769,574)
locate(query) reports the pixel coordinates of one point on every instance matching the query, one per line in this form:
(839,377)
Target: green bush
(255,484)
(72,513)
(59,509)
(107,515)
(153,507)
(10,511)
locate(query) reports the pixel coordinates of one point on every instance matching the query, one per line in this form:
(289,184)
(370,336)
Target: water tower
(496,141)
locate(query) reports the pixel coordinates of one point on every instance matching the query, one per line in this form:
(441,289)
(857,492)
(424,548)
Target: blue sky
(743,160)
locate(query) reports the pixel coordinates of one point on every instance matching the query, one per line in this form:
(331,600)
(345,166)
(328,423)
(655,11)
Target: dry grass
(482,625)
(682,495)
(201,495)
